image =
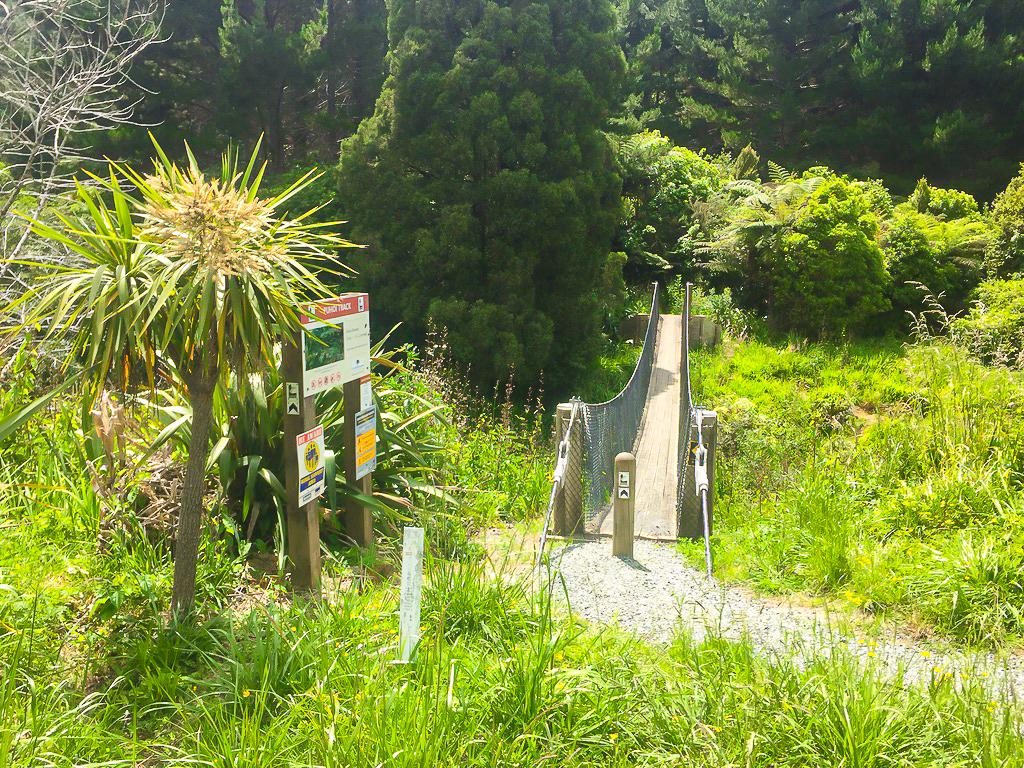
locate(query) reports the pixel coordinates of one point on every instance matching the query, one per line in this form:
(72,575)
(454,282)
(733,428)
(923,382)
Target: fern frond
(778,174)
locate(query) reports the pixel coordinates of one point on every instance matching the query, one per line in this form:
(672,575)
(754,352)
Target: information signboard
(366,442)
(335,342)
(311,465)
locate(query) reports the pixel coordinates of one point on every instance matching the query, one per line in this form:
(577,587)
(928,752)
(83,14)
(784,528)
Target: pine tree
(484,185)
(894,88)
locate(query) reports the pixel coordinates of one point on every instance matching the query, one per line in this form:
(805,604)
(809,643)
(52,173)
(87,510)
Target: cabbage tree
(178,266)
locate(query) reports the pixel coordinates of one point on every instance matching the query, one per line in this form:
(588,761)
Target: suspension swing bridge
(666,480)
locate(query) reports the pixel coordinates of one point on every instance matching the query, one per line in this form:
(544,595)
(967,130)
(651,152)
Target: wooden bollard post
(623,505)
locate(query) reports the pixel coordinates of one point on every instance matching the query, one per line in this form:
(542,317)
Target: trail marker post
(303,520)
(412,592)
(624,505)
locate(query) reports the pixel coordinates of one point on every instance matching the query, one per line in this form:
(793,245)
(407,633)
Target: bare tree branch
(63,68)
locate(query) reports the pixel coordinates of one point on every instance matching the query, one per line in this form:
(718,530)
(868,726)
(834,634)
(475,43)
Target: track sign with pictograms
(311,465)
(335,342)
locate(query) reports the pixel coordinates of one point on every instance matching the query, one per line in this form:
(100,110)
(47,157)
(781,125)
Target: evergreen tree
(894,88)
(300,72)
(935,92)
(483,183)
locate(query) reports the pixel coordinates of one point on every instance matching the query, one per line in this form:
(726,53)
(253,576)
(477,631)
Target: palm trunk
(190,516)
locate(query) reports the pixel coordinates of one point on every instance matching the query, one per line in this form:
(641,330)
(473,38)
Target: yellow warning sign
(366,441)
(311,457)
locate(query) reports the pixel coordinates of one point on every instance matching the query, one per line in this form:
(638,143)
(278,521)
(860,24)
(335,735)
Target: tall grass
(500,678)
(887,475)
(92,674)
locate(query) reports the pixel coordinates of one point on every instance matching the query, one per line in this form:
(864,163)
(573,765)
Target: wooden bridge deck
(657,450)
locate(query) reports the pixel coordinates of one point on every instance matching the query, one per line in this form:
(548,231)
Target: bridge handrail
(609,428)
(649,336)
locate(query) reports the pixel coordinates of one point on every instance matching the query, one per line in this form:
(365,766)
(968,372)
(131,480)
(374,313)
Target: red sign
(331,309)
(315,433)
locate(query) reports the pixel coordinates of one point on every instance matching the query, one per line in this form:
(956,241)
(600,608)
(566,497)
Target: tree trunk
(190,516)
(332,78)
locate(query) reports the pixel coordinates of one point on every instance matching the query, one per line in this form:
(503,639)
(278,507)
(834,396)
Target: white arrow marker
(292,405)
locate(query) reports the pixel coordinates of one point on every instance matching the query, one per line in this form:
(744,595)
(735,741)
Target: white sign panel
(292,404)
(366,442)
(412,592)
(312,473)
(335,342)
(623,492)
(365,393)
(624,479)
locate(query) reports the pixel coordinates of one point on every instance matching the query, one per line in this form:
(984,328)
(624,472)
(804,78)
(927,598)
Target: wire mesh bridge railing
(614,426)
(590,435)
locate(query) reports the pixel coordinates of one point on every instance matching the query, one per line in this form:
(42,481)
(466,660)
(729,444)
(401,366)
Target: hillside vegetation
(887,475)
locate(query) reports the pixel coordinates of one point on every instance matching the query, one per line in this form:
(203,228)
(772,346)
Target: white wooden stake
(412,592)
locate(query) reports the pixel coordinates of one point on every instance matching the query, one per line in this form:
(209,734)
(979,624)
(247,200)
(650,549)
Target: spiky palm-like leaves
(202,271)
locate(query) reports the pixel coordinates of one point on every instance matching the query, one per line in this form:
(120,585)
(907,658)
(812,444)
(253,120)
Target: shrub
(945,203)
(829,277)
(661,184)
(1008,216)
(928,257)
(994,328)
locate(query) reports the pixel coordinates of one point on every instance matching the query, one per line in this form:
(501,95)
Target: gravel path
(656,592)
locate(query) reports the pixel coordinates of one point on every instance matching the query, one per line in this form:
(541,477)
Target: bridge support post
(624,505)
(568,512)
(691,517)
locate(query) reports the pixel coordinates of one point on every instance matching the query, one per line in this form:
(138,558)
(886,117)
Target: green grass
(499,679)
(610,373)
(92,674)
(889,476)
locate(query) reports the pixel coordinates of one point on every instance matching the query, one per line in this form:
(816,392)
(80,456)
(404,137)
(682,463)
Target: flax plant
(180,267)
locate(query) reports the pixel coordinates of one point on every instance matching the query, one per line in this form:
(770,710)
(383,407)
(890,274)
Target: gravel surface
(656,592)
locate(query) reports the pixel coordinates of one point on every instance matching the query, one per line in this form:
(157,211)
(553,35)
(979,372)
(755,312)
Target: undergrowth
(92,673)
(887,475)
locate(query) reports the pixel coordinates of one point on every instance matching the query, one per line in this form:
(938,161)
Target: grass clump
(500,678)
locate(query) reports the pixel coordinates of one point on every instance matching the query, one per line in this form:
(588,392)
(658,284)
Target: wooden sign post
(303,521)
(358,519)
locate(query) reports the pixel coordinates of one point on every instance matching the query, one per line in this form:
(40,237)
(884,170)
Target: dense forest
(508,164)
(892,90)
